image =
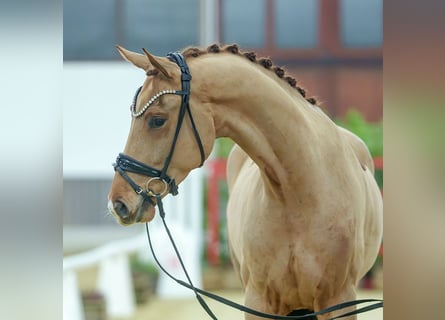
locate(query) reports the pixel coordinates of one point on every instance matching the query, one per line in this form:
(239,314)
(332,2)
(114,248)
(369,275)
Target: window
(84,201)
(306,29)
(162,26)
(361,23)
(296,23)
(243,22)
(93,28)
(88,31)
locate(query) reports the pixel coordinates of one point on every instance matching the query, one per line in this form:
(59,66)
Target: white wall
(96,116)
(96,122)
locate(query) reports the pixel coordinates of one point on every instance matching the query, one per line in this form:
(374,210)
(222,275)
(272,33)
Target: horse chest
(258,227)
(273,245)
(274,253)
(280,269)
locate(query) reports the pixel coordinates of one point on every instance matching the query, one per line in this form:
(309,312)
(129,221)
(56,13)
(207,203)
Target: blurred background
(332,47)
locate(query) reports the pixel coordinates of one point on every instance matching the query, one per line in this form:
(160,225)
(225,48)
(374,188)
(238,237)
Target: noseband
(125,163)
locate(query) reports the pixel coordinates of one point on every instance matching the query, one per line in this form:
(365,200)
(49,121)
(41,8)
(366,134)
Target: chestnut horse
(304,213)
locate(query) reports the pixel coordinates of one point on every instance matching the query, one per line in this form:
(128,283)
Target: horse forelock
(251,56)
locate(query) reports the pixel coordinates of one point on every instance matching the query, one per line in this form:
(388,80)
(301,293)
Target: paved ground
(189,309)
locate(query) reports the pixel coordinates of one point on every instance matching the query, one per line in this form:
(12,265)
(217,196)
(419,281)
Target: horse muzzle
(126,214)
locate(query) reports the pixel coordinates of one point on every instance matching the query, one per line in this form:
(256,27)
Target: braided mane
(265,62)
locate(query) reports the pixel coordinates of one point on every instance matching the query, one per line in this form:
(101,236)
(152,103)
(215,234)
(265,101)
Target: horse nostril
(121,209)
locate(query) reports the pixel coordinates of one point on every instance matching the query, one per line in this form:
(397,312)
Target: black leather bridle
(125,163)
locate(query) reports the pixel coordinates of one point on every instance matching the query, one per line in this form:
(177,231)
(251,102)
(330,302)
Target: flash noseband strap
(126,163)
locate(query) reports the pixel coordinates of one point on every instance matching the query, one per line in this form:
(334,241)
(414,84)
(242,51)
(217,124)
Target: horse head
(171,133)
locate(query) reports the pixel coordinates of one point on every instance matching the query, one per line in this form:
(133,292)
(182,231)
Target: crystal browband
(149,103)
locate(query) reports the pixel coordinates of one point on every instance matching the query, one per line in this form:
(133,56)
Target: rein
(125,163)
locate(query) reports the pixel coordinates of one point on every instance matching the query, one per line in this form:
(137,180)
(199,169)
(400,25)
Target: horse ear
(157,63)
(139,60)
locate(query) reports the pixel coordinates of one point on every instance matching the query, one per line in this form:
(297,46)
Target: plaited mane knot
(232,48)
(292,81)
(302,91)
(214,48)
(251,56)
(279,72)
(152,72)
(311,100)
(265,62)
(194,52)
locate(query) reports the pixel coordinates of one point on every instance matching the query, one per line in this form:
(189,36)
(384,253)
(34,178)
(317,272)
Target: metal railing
(114,281)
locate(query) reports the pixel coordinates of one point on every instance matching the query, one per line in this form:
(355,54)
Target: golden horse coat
(304,212)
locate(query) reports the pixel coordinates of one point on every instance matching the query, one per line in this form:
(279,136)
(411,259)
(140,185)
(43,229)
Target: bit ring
(150,192)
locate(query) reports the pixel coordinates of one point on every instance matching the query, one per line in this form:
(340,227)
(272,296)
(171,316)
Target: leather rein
(125,163)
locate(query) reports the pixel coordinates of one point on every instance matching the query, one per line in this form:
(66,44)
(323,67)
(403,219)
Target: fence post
(72,301)
(217,172)
(115,283)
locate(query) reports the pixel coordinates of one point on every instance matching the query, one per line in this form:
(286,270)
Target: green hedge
(370,132)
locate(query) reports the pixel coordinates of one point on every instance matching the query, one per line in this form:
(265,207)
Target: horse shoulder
(371,220)
(359,147)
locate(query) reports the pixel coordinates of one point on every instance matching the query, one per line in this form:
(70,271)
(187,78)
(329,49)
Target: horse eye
(155,122)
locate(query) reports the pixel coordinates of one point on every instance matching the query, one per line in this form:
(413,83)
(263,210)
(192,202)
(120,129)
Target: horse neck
(264,115)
